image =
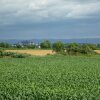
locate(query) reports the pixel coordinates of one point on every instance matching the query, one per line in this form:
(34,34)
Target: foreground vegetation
(50,78)
(4,54)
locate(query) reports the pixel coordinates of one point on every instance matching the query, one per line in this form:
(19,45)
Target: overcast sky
(29,19)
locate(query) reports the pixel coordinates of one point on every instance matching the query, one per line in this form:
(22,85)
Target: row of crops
(50,78)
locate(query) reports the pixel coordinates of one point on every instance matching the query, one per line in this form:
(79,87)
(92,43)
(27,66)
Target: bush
(8,53)
(18,46)
(5,45)
(15,55)
(92,46)
(1,53)
(73,48)
(31,46)
(45,44)
(85,49)
(58,46)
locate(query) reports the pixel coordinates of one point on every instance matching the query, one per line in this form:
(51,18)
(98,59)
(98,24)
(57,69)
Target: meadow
(50,78)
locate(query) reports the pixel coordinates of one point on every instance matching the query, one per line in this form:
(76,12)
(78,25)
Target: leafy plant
(45,44)
(58,46)
(50,78)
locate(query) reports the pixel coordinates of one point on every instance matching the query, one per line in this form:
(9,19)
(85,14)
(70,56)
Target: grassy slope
(50,78)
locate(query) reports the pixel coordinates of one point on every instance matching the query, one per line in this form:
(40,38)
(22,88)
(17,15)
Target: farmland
(33,52)
(98,51)
(38,52)
(50,78)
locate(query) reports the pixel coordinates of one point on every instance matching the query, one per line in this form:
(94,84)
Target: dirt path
(33,52)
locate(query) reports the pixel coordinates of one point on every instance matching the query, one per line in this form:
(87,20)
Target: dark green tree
(85,49)
(58,46)
(18,46)
(5,45)
(45,44)
(31,46)
(92,46)
(73,48)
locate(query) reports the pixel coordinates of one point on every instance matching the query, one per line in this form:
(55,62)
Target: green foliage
(73,48)
(1,53)
(45,44)
(50,78)
(76,49)
(86,49)
(15,55)
(12,55)
(31,46)
(92,46)
(18,46)
(5,45)
(58,46)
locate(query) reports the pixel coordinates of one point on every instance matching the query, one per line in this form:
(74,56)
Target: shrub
(85,49)
(8,53)
(5,45)
(18,46)
(58,46)
(45,44)
(73,48)
(31,46)
(15,55)
(1,53)
(92,46)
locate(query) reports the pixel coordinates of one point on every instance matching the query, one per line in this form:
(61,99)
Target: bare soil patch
(33,52)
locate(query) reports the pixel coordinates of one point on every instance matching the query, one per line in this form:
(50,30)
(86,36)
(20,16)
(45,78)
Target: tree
(1,52)
(92,46)
(73,48)
(31,46)
(85,49)
(18,46)
(58,46)
(5,45)
(45,44)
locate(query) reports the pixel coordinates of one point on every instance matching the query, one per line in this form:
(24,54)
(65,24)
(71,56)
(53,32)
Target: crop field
(98,51)
(50,78)
(33,52)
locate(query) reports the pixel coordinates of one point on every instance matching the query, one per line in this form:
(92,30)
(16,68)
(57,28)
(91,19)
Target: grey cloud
(12,11)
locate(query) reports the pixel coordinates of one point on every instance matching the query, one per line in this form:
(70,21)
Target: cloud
(23,11)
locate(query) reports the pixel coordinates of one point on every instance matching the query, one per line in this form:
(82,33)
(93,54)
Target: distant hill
(85,40)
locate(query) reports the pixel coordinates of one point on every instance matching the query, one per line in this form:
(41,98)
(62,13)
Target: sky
(54,19)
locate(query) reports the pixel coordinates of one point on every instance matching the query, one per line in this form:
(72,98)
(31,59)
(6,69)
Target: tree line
(59,47)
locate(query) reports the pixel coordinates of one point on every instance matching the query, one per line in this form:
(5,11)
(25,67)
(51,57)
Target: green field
(50,78)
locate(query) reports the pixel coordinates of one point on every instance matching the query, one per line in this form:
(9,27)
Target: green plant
(45,44)
(58,46)
(77,49)
(1,53)
(85,49)
(31,46)
(73,48)
(50,78)
(16,55)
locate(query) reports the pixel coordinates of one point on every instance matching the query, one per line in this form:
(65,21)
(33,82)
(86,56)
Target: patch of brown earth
(33,52)
(97,51)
